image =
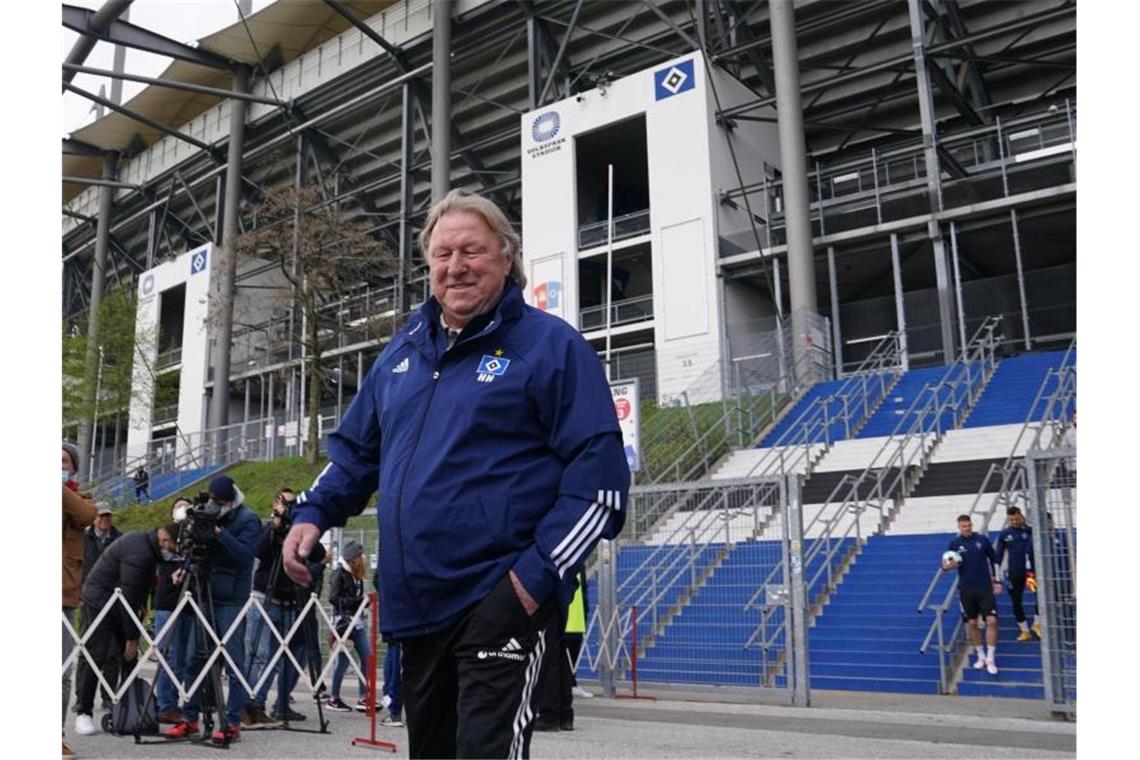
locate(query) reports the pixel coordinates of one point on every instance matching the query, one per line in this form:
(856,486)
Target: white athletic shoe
(979,663)
(991,668)
(582,693)
(85,725)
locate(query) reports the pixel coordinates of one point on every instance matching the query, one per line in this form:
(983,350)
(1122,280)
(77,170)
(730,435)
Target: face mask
(167,556)
(179,513)
(66,476)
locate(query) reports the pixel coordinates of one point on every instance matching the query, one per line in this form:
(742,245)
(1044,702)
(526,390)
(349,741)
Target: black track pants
(1016,594)
(554,699)
(468,689)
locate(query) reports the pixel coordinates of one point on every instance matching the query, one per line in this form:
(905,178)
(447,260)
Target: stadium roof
(289,27)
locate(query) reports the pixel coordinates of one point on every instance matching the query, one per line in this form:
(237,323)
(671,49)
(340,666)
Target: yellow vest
(576,615)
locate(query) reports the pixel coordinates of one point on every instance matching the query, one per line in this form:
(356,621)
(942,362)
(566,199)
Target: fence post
(607,607)
(797,592)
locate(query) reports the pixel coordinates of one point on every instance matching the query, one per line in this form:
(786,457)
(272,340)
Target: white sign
(626,394)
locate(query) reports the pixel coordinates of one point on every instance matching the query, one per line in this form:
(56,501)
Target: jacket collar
(425,325)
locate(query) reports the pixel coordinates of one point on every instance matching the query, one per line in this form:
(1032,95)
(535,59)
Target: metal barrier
(1052,475)
(671,612)
(150,649)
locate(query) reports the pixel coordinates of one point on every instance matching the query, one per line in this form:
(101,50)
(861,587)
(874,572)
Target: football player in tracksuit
(488,429)
(1016,541)
(978,574)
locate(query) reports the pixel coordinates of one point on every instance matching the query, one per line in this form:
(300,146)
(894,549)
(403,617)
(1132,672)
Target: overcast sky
(181,20)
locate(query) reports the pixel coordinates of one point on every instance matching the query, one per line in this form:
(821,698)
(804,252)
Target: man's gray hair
(460,200)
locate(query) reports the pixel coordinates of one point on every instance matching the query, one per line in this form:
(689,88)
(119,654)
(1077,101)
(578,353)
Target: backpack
(135,713)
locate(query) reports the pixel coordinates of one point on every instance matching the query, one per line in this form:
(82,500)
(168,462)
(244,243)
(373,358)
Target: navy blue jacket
(979,565)
(1018,543)
(231,556)
(502,452)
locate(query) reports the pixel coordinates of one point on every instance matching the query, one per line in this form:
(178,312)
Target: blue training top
(1018,543)
(978,561)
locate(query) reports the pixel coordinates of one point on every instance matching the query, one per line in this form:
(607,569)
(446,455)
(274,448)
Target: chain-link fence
(1053,514)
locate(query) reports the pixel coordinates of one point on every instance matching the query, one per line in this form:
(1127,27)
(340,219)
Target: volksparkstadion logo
(546,126)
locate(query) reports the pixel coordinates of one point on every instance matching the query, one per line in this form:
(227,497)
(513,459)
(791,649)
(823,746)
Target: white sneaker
(85,725)
(979,663)
(991,668)
(582,693)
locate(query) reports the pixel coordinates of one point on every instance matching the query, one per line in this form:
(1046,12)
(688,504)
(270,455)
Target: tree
(120,344)
(322,253)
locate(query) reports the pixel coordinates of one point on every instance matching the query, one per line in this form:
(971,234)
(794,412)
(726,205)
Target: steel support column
(441,100)
(98,270)
(407,140)
(836,332)
(1020,278)
(793,152)
(933,177)
(958,288)
(900,307)
(227,261)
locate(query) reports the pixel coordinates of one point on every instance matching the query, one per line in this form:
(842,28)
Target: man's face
(965,528)
(1017,521)
(67,462)
(165,542)
(219,502)
(103,523)
(467,266)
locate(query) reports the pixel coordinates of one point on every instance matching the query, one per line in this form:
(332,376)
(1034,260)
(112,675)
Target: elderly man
(490,431)
(98,537)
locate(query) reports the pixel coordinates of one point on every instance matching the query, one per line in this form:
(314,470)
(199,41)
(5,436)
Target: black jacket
(268,551)
(94,546)
(166,595)
(345,593)
(129,563)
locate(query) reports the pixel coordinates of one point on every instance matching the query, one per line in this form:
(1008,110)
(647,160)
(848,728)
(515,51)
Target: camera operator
(128,564)
(281,605)
(228,553)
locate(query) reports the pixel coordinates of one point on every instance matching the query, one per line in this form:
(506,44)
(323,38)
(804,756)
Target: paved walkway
(839,725)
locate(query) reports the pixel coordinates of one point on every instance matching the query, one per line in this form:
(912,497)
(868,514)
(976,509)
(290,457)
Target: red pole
(633,660)
(374,604)
(633,656)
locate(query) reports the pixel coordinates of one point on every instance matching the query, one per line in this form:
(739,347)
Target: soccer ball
(951,558)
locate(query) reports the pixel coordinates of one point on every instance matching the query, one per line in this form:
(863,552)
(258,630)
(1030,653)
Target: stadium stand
(1010,395)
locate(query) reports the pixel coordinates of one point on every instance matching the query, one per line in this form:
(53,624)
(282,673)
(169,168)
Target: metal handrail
(957,390)
(795,444)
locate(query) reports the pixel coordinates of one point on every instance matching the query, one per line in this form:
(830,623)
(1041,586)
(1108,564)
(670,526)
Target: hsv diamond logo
(491,367)
(197,262)
(546,126)
(147,284)
(673,80)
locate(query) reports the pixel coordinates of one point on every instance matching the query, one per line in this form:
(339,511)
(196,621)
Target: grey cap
(73,453)
(351,550)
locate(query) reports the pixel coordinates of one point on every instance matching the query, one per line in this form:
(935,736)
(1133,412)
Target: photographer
(282,606)
(224,536)
(129,564)
(176,641)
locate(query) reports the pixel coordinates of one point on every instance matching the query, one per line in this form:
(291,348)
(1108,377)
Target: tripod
(196,578)
(309,639)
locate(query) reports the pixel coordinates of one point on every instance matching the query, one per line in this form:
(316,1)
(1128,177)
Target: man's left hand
(997,588)
(527,600)
(131,651)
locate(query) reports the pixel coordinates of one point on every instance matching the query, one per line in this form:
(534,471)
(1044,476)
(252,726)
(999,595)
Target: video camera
(199,527)
(285,516)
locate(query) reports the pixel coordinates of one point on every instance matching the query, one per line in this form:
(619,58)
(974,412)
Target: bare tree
(321,252)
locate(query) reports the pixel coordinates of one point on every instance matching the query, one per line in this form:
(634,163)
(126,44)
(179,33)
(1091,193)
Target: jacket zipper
(437,371)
